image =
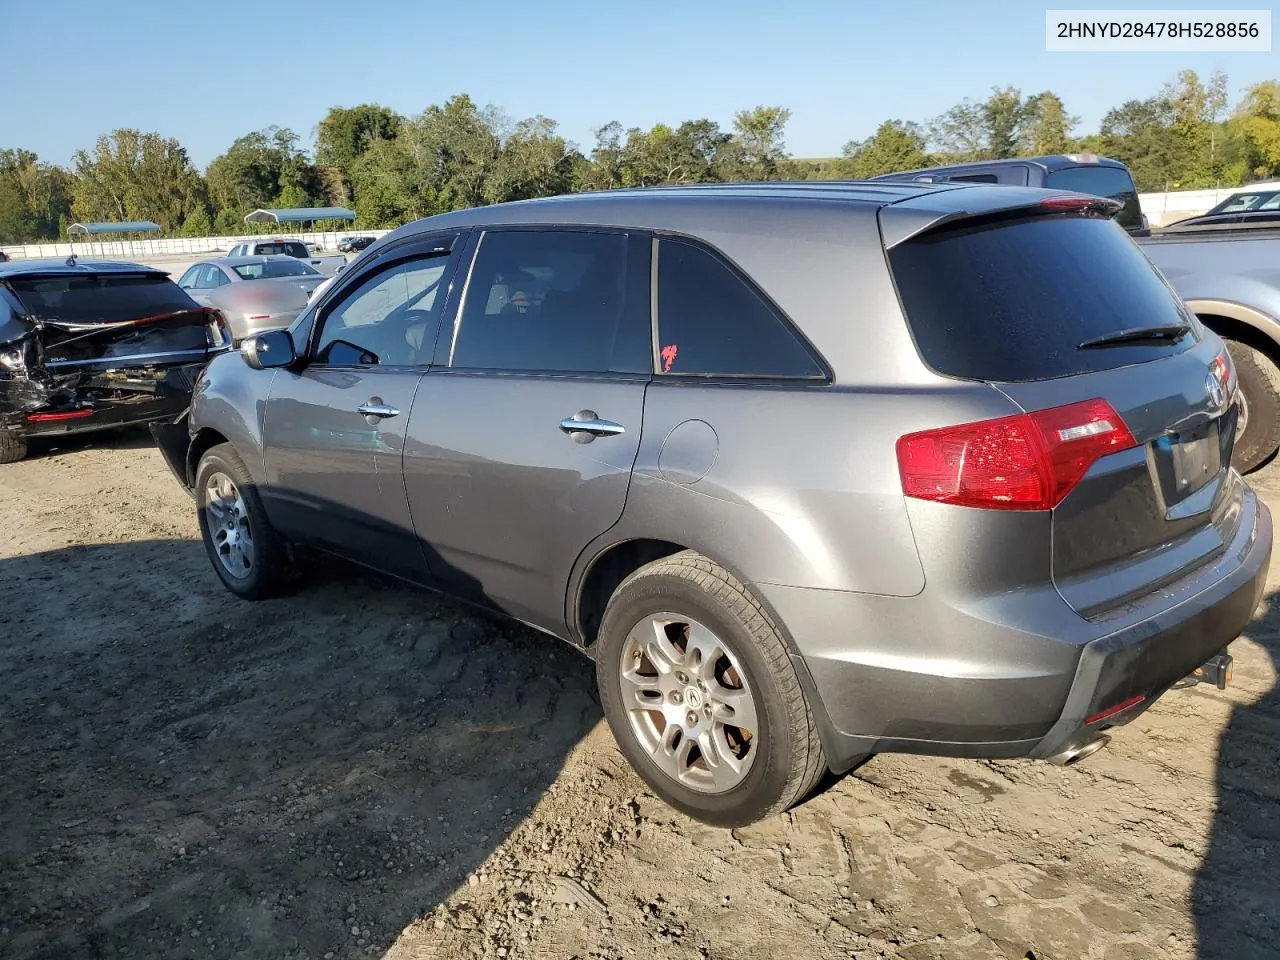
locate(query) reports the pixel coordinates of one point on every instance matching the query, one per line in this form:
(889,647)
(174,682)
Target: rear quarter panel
(1237,277)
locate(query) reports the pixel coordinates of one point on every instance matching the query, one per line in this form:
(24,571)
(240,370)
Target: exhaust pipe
(1078,752)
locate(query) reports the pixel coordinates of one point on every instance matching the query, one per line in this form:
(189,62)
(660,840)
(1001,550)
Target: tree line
(391,169)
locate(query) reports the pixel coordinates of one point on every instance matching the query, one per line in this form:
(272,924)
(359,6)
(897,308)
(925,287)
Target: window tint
(101,298)
(291,248)
(393,315)
(710,322)
(554,300)
(270,269)
(1013,300)
(1111,182)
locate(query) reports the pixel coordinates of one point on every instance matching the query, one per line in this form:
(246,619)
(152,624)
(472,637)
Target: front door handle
(584,426)
(374,408)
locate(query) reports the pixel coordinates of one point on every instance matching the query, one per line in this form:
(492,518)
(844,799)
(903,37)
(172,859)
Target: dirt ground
(364,770)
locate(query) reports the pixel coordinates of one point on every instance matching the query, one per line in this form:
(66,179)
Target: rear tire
(1259,380)
(13,446)
(768,761)
(246,552)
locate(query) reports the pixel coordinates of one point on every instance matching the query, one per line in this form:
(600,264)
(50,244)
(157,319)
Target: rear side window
(1013,300)
(1113,183)
(101,298)
(711,323)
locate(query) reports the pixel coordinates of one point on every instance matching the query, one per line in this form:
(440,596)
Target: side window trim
(819,361)
(446,244)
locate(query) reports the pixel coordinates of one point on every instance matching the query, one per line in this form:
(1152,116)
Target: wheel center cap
(693,697)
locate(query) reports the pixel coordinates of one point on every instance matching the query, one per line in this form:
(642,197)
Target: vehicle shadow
(123,438)
(1236,892)
(190,775)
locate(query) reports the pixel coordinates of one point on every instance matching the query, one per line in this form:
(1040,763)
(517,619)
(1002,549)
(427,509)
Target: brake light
(259,316)
(1029,461)
(64,415)
(1220,367)
(1066,203)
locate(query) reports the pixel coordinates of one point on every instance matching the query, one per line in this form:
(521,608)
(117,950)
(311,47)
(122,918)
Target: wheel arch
(1236,321)
(205,439)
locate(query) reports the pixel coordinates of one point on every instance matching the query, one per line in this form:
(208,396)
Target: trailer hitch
(1216,670)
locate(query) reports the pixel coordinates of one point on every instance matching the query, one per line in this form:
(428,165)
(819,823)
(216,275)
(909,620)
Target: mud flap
(173,439)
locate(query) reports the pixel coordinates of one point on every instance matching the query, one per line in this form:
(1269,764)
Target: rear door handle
(584,426)
(374,407)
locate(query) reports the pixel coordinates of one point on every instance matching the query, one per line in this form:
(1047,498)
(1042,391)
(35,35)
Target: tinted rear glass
(102,298)
(1013,300)
(1115,183)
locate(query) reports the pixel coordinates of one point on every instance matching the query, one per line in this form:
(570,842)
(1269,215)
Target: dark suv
(812,471)
(94,346)
(1078,172)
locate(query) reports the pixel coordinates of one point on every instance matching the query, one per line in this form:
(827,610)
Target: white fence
(96,247)
(1164,208)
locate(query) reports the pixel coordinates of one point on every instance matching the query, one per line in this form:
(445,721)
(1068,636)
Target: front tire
(1259,379)
(700,693)
(246,552)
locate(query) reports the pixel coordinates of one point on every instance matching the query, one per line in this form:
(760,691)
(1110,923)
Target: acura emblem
(1214,389)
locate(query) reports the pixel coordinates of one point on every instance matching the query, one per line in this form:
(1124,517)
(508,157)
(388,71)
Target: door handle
(584,426)
(374,407)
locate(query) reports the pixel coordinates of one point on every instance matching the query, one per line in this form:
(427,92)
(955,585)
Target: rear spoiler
(901,221)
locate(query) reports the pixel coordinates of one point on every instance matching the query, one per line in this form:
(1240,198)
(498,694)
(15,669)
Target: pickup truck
(1229,276)
(292,248)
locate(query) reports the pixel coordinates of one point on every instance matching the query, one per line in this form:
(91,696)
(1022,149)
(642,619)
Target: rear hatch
(1128,403)
(95,320)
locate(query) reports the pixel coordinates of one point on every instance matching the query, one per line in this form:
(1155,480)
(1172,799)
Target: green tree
(1046,126)
(131,175)
(198,223)
(347,133)
(33,196)
(759,135)
(1253,147)
(256,169)
(534,161)
(894,146)
(1139,134)
(1196,107)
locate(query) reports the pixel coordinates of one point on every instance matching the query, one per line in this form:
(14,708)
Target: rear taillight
(1029,461)
(1220,367)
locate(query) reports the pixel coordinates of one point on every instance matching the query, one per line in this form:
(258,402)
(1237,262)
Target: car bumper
(890,674)
(105,416)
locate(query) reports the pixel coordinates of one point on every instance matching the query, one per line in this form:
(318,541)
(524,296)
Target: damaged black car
(96,346)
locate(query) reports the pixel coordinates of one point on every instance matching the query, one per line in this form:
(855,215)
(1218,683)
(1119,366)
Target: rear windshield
(1013,300)
(292,249)
(100,298)
(270,269)
(1115,183)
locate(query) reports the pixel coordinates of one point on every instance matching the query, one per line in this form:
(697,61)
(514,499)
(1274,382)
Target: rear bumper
(105,416)
(910,674)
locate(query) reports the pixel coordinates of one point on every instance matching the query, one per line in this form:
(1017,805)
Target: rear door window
(1013,300)
(711,322)
(572,301)
(1114,183)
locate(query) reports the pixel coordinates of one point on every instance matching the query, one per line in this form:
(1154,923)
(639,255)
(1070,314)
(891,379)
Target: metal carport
(108,228)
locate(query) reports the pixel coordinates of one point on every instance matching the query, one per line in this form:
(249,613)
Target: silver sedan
(253,293)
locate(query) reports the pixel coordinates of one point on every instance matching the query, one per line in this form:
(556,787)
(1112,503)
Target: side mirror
(274,348)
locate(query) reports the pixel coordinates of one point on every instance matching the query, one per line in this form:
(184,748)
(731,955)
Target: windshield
(1018,298)
(270,269)
(102,298)
(1114,183)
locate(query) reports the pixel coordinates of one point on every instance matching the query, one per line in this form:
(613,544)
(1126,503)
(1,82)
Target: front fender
(231,400)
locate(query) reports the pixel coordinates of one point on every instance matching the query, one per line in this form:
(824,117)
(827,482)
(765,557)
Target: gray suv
(811,471)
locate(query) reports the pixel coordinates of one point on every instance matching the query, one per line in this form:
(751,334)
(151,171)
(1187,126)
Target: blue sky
(209,73)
